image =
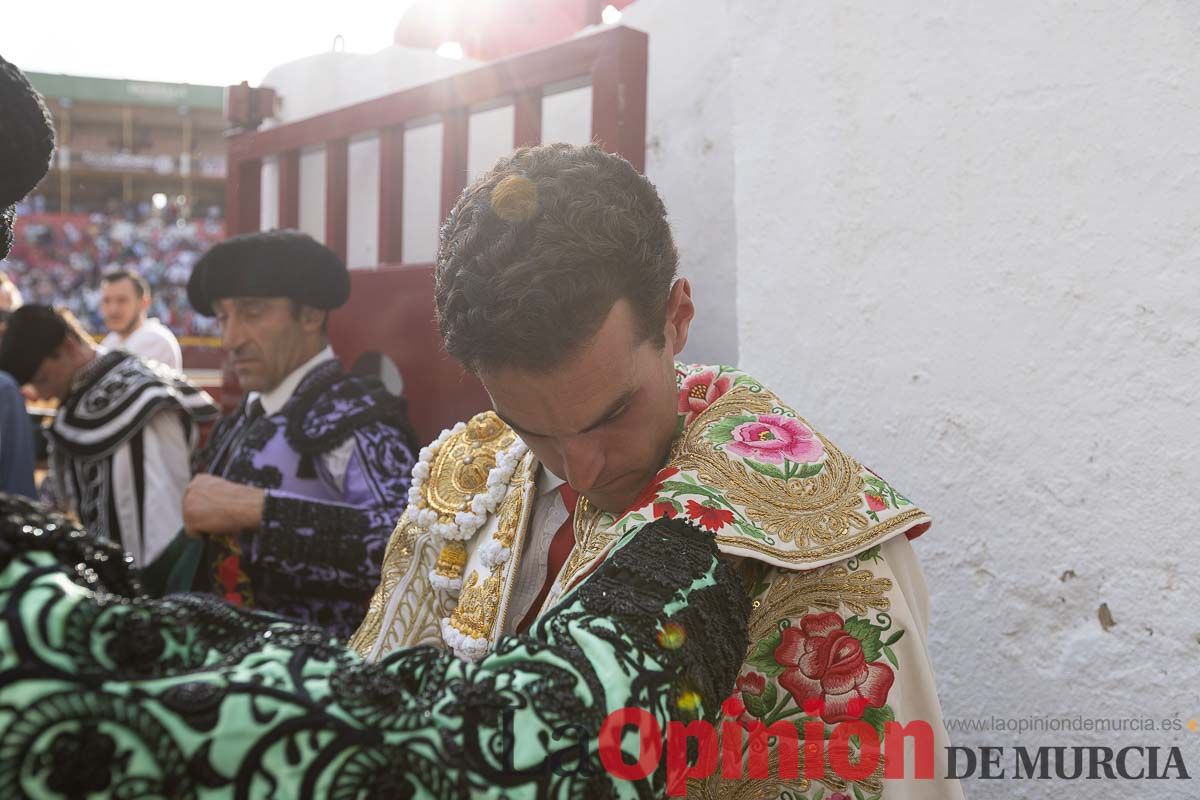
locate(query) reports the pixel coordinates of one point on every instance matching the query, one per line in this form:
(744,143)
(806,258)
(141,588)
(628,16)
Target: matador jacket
(839,620)
(316,555)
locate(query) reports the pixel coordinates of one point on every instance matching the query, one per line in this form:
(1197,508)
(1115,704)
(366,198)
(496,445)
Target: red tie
(560,548)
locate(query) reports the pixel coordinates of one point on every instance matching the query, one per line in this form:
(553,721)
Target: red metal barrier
(391,307)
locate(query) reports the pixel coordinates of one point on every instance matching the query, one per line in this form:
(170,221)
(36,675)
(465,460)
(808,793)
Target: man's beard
(131,327)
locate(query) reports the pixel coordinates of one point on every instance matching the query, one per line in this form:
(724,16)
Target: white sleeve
(167,473)
(164,347)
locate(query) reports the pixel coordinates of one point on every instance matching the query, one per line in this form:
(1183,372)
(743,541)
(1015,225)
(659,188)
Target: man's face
(52,380)
(604,420)
(265,338)
(121,307)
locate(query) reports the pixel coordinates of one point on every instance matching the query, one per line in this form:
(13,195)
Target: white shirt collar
(275,399)
(547,481)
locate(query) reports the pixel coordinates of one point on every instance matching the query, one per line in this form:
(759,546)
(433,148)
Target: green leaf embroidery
(866,633)
(755,705)
(722,431)
(762,705)
(765,469)
(870,554)
(877,718)
(809,470)
(858,795)
(763,657)
(887,652)
(895,637)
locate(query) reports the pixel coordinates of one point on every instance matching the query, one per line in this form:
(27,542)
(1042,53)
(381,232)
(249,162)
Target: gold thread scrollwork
(460,469)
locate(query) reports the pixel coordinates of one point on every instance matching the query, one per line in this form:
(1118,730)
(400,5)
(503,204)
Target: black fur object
(26,144)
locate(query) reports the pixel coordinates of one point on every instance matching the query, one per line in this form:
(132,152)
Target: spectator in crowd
(58,260)
(16,433)
(121,440)
(124,299)
(301,486)
(10,298)
(26,146)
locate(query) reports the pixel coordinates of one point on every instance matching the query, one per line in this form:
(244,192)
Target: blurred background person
(121,440)
(124,301)
(16,432)
(26,145)
(10,299)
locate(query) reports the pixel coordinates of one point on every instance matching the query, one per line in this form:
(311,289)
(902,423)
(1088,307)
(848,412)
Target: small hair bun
(514,198)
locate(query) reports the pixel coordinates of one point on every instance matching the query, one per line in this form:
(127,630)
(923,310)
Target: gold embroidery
(479,602)
(790,595)
(396,559)
(590,538)
(452,558)
(460,469)
(476,611)
(845,548)
(811,511)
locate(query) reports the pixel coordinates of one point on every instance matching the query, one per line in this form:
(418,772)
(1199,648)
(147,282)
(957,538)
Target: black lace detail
(330,405)
(332,536)
(307,713)
(94,563)
(96,416)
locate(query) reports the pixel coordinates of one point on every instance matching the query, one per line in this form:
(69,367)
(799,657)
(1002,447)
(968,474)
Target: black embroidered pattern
(90,424)
(311,719)
(330,404)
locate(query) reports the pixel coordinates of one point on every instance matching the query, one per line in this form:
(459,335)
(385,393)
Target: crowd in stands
(58,259)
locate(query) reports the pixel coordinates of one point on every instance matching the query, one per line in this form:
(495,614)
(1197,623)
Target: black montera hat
(272,264)
(26,145)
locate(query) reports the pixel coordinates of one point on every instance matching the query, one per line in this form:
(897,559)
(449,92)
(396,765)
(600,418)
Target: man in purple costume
(297,492)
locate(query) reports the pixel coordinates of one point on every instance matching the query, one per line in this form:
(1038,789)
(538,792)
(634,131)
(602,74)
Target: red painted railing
(391,307)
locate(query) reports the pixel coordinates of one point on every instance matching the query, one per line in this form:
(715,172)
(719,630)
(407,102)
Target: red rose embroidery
(650,493)
(825,670)
(876,503)
(752,684)
(712,518)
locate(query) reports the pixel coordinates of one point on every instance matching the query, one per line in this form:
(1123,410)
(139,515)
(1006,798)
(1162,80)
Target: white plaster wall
(968,249)
(689,157)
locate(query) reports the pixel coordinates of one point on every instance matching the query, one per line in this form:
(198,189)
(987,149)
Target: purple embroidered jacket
(317,555)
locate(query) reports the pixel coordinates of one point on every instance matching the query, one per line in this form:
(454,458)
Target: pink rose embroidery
(826,672)
(772,438)
(699,391)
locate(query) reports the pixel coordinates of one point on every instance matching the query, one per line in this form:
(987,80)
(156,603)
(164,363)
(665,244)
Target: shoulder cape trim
(331,404)
(119,397)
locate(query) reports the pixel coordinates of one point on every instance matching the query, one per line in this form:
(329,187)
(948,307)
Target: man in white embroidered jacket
(556,285)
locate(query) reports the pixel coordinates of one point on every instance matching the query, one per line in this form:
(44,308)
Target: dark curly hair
(537,251)
(26,145)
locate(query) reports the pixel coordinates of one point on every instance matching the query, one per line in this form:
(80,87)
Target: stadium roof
(123,92)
